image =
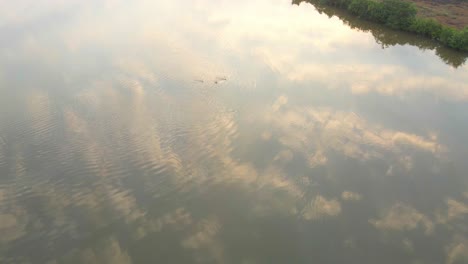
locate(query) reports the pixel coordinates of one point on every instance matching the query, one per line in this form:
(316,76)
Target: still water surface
(226,132)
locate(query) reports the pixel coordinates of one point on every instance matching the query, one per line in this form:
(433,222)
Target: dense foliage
(399,14)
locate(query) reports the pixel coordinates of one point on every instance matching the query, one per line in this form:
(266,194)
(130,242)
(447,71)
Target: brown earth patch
(453,13)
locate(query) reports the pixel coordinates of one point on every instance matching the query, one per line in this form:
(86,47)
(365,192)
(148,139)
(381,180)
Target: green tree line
(401,15)
(388,37)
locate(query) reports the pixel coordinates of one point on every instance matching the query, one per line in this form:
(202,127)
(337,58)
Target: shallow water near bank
(227,132)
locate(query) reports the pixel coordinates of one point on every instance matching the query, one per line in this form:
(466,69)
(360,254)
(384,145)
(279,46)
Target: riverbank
(451,13)
(402,15)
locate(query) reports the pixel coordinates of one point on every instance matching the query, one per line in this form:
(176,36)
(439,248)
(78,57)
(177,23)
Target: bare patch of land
(453,13)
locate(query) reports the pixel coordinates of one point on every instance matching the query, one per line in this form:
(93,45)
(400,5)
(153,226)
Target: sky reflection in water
(224,132)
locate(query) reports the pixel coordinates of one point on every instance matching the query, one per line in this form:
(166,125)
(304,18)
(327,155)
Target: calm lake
(216,131)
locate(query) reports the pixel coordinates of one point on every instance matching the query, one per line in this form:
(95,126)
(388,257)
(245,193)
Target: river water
(248,131)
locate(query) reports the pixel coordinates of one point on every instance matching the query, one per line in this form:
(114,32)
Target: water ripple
(2,153)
